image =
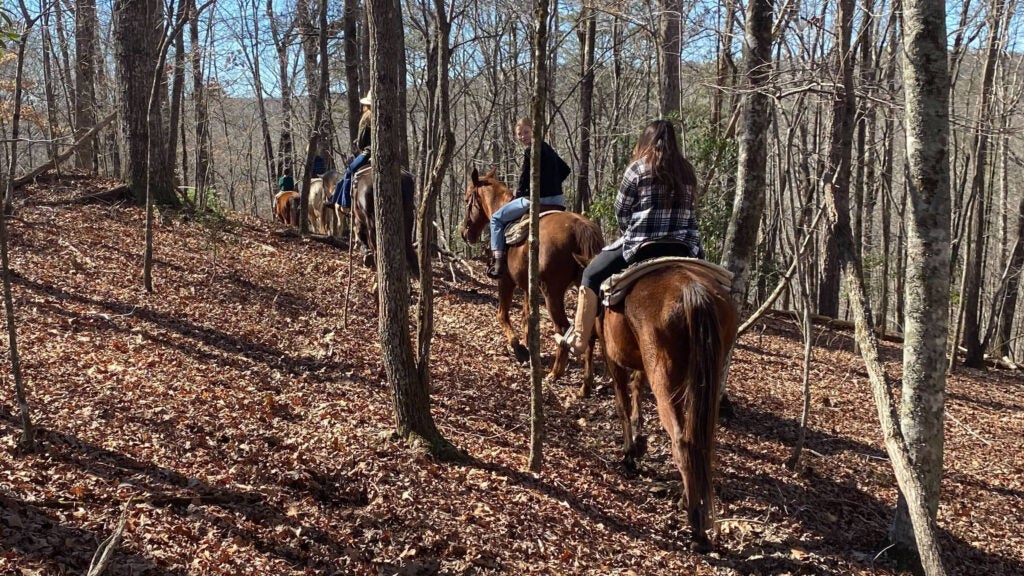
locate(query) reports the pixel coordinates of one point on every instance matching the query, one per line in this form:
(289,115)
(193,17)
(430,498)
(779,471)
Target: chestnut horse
(677,326)
(568,242)
(365,225)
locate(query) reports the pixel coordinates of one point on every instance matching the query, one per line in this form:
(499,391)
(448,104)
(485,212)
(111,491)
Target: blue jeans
(503,217)
(513,211)
(343,190)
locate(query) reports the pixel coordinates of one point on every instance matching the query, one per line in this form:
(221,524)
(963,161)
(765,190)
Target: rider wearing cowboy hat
(343,191)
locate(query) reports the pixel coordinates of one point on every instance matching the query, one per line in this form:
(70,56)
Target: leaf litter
(250,430)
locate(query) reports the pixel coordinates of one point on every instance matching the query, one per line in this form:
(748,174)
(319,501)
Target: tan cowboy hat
(367,100)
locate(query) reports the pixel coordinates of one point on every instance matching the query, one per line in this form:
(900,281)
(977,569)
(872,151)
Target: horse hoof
(700,545)
(521,353)
(726,408)
(640,446)
(629,463)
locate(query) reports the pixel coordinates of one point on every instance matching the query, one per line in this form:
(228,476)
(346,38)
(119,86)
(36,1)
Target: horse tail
(589,240)
(702,383)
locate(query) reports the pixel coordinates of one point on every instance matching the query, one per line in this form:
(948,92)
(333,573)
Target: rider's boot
(500,265)
(578,335)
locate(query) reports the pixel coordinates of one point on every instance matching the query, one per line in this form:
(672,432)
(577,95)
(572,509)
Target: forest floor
(245,429)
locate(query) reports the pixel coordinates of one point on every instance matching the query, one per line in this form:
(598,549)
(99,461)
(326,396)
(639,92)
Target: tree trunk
(411,397)
(975,356)
(668,57)
(352,70)
(253,55)
(926,87)
(537,106)
(136,24)
(588,37)
(51,98)
(27,440)
(177,89)
(86,58)
(724,64)
(748,205)
(284,163)
(840,148)
(203,155)
(438,159)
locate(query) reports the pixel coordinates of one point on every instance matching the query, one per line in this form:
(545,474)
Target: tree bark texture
(840,148)
(741,235)
(926,87)
(537,106)
(136,24)
(668,57)
(411,398)
(588,37)
(204,158)
(975,356)
(86,58)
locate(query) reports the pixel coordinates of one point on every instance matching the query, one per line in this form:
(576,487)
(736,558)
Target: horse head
(484,195)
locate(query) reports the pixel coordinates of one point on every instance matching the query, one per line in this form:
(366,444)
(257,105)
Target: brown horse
(677,326)
(568,242)
(365,226)
(282,207)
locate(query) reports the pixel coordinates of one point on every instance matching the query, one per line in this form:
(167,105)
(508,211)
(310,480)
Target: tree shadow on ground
(253,516)
(192,333)
(35,534)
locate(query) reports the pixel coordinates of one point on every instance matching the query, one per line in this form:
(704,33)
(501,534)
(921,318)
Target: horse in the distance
(320,208)
(365,225)
(677,326)
(567,242)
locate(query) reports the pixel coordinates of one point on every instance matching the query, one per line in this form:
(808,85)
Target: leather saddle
(615,288)
(518,231)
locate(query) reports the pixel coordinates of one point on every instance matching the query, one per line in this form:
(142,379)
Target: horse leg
(505,291)
(588,371)
(623,399)
(636,415)
(685,450)
(522,352)
(555,303)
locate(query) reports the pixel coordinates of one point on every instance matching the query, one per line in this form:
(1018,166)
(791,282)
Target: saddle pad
(616,287)
(362,170)
(517,231)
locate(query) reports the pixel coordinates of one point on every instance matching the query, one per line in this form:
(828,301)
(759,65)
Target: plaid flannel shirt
(644,213)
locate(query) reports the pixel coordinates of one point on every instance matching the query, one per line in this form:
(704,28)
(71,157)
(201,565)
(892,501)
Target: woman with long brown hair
(655,210)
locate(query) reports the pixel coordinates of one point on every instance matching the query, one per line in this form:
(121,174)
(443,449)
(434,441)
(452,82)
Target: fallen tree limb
(53,162)
(105,552)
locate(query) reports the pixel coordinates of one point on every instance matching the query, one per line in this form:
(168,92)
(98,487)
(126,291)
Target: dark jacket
(553,171)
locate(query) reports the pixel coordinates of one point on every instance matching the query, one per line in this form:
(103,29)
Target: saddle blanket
(362,170)
(517,231)
(616,287)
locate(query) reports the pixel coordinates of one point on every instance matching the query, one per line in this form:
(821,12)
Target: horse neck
(499,196)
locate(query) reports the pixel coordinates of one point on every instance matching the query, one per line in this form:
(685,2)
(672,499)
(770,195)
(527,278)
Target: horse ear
(490,174)
(476,178)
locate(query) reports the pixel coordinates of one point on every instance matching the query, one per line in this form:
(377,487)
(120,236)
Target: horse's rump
(363,215)
(678,324)
(281,200)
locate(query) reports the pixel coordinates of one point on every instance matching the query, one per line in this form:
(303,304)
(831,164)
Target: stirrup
(563,340)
